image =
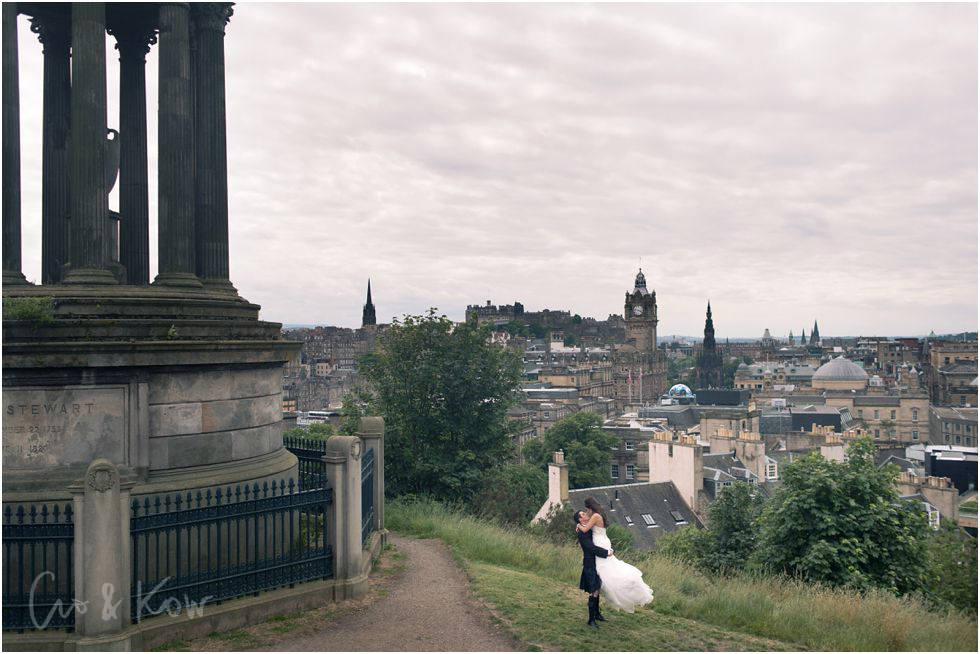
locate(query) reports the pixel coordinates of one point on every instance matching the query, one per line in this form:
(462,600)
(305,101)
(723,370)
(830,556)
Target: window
(630,470)
(771,471)
(647,518)
(915,434)
(629,446)
(946,437)
(957,439)
(860,413)
(876,414)
(670,449)
(629,520)
(615,471)
(678,518)
(893,414)
(956,426)
(915,414)
(877,433)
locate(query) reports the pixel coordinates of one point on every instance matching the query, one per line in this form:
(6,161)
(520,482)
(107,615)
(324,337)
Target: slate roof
(960,368)
(727,463)
(902,463)
(658,500)
(882,455)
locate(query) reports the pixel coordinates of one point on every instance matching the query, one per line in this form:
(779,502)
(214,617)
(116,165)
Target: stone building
(639,367)
(946,380)
(953,426)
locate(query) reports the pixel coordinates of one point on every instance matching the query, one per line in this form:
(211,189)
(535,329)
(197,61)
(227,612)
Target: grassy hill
(532,587)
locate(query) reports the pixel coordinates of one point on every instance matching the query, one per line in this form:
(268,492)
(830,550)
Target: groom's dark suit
(590,582)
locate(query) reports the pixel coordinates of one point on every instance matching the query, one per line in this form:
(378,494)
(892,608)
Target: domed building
(840,374)
(678,394)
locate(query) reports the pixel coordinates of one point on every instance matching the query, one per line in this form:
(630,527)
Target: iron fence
(312,470)
(367,494)
(188,549)
(38,575)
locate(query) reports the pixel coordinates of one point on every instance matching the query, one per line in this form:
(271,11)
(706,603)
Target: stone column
(54,32)
(176,250)
(102,556)
(11,150)
(133,42)
(343,464)
(211,159)
(89,201)
(372,433)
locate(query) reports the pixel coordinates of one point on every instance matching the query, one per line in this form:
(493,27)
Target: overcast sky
(787,162)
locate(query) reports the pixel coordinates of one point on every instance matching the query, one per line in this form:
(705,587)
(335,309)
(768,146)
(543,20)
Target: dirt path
(427,608)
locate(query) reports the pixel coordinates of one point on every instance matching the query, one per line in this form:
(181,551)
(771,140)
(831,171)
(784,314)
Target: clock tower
(641,316)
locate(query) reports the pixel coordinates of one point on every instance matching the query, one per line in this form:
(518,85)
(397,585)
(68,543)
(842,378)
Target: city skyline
(784,162)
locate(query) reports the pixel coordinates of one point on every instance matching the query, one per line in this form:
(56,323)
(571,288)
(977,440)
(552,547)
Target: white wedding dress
(622,584)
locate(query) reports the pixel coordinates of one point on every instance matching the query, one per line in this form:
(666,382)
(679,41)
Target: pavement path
(428,608)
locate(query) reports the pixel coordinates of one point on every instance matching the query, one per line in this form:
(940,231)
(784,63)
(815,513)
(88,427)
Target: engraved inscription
(58,426)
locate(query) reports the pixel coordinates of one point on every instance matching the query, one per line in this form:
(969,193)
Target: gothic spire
(368,316)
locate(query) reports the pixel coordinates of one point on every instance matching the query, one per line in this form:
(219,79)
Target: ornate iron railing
(367,494)
(38,574)
(309,451)
(193,548)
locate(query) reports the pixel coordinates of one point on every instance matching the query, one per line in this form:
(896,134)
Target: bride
(622,584)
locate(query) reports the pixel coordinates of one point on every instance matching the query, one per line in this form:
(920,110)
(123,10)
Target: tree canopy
(844,524)
(444,392)
(586,448)
(511,494)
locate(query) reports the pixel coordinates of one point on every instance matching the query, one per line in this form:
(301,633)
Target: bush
(687,544)
(621,539)
(511,494)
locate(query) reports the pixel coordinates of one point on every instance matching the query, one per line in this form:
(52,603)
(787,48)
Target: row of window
(630,471)
(956,427)
(628,446)
(651,523)
(959,440)
(915,414)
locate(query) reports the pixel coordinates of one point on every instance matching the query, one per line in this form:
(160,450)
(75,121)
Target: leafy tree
(728,370)
(681,371)
(570,340)
(352,410)
(317,431)
(444,391)
(511,493)
(557,527)
(688,544)
(620,538)
(843,524)
(730,537)
(586,448)
(952,560)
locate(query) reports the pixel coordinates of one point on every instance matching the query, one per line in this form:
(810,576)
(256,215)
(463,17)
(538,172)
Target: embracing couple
(620,583)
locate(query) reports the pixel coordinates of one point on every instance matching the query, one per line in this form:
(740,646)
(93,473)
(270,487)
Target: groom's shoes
(598,615)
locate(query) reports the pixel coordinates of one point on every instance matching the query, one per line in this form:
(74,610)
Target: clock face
(637,310)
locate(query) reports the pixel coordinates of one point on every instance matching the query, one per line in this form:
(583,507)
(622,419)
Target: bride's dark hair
(593,504)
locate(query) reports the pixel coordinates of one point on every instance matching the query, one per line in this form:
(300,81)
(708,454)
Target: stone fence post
(343,464)
(372,432)
(102,557)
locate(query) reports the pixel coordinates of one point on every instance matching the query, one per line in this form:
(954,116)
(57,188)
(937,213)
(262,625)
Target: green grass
(796,614)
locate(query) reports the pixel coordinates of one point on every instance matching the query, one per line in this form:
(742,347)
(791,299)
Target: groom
(589,581)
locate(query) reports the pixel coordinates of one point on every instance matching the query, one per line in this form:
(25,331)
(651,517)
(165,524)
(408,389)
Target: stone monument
(175,380)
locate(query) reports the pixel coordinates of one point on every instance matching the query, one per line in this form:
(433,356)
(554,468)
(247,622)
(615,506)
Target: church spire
(815,334)
(367,316)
